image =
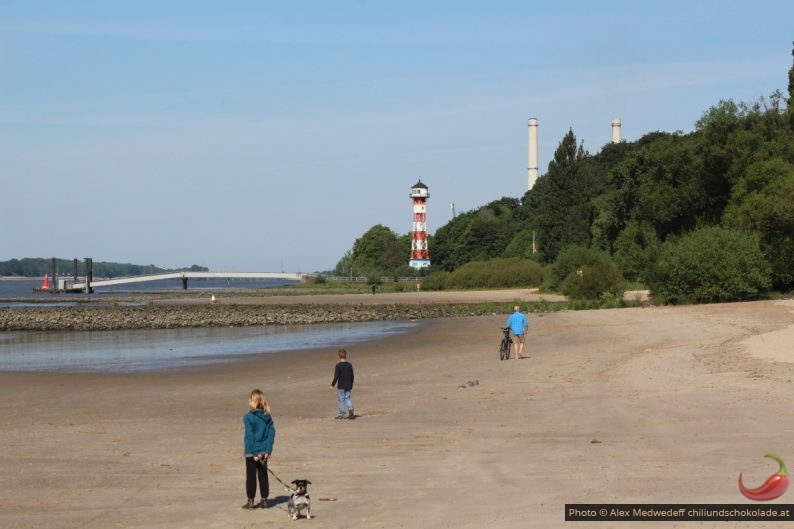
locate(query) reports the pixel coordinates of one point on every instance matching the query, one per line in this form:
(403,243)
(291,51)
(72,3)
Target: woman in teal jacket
(260,432)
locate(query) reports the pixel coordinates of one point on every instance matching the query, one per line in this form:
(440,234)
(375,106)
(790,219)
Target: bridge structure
(183,276)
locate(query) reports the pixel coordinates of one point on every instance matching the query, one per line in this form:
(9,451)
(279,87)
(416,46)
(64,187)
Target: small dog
(299,499)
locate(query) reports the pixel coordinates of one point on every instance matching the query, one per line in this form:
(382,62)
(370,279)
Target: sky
(265,136)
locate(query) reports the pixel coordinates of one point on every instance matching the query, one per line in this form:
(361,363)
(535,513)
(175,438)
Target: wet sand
(641,405)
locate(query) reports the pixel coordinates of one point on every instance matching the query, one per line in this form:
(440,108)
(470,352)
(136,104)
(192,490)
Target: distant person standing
(518,329)
(343,380)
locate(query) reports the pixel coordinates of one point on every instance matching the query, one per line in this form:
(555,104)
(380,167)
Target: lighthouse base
(418,264)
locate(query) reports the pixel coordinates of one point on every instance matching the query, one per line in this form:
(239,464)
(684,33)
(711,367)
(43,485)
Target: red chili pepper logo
(774,487)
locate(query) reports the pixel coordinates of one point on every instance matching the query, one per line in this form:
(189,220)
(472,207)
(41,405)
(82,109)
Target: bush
(513,272)
(636,249)
(710,265)
(434,281)
(594,283)
(586,273)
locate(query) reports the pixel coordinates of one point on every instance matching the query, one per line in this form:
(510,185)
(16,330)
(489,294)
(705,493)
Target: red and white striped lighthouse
(420,257)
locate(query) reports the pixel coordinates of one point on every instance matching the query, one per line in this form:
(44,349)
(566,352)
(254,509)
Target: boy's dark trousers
(254,470)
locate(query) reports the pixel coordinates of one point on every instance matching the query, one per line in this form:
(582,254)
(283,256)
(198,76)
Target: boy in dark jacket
(343,379)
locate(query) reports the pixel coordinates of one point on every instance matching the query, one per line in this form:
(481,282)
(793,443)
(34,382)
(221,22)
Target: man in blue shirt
(518,329)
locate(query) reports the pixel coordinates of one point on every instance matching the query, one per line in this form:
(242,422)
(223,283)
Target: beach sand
(640,405)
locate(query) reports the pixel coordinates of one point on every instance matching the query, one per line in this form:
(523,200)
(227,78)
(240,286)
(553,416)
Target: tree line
(39,267)
(702,216)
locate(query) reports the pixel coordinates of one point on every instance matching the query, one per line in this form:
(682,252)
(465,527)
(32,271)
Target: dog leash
(275,476)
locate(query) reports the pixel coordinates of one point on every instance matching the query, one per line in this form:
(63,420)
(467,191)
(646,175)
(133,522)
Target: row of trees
(39,267)
(707,215)
(380,252)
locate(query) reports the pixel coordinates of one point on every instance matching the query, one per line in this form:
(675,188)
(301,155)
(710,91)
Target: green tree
(378,252)
(564,210)
(763,202)
(708,265)
(448,243)
(521,245)
(636,249)
(476,235)
(790,101)
(344,267)
(791,80)
(618,194)
(669,193)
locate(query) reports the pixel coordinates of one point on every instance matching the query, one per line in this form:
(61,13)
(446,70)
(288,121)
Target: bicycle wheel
(504,350)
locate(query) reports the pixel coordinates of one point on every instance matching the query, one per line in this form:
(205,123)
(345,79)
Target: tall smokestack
(533,152)
(616,130)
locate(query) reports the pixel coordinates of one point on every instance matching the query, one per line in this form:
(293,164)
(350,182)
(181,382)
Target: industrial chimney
(616,130)
(533,152)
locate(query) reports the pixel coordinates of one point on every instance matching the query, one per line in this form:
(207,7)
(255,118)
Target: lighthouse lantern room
(420,257)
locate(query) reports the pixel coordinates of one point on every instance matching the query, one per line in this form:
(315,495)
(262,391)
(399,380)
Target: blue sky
(264,135)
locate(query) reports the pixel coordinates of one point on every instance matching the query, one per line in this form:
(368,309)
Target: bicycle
(504,347)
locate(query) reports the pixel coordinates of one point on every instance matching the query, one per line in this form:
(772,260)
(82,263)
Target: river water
(145,350)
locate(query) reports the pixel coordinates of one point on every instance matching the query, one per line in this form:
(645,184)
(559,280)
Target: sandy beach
(640,405)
